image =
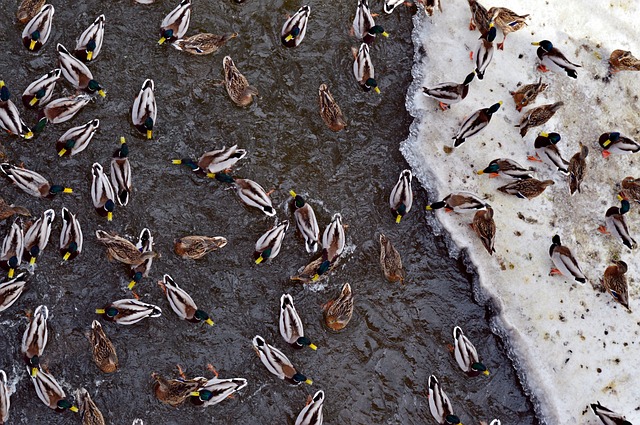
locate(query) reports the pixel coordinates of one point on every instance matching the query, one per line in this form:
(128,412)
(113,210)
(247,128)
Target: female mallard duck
(61,110)
(440,405)
(10,119)
(528,188)
(311,414)
(251,193)
(449,93)
(176,23)
(77,72)
(484,51)
(5,398)
(631,188)
(330,112)
(538,116)
(564,261)
(401,197)
(363,69)
(295,28)
(144,111)
(390,261)
(269,244)
(144,245)
(121,173)
(122,250)
(552,59)
(337,312)
(31,182)
(36,33)
(37,236)
(608,416)
(28,9)
(213,162)
(459,202)
(196,247)
(35,338)
(479,17)
(76,139)
(577,169)
(547,150)
(616,224)
(507,168)
(39,92)
(622,60)
(527,94)
(277,363)
(217,390)
(290,323)
(615,282)
(238,88)
(306,222)
(12,249)
(507,20)
(390,5)
(203,44)
(475,123)
(104,353)
(91,415)
(90,41)
(102,193)
(175,391)
(364,27)
(333,239)
(50,392)
(466,354)
(7,210)
(128,311)
(71,238)
(485,228)
(182,303)
(11,290)
(615,143)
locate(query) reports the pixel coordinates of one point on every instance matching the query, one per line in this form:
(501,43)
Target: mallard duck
(28,9)
(121,173)
(364,27)
(631,188)
(528,93)
(390,5)
(128,311)
(528,188)
(401,197)
(76,139)
(175,391)
(484,51)
(37,236)
(507,168)
(440,405)
(195,247)
(577,169)
(479,17)
(330,112)
(71,238)
(616,224)
(459,202)
(144,245)
(31,182)
(217,390)
(77,73)
(608,416)
(182,303)
(5,398)
(311,414)
(11,290)
(238,88)
(315,270)
(277,363)
(39,92)
(306,222)
(102,349)
(213,162)
(122,250)
(203,44)
(91,415)
(34,339)
(466,354)
(615,282)
(290,323)
(144,111)
(449,93)
(564,261)
(333,242)
(615,143)
(269,244)
(622,60)
(552,59)
(61,110)
(12,249)
(7,210)
(507,20)
(176,23)
(90,41)
(50,392)
(10,119)
(485,228)
(251,193)
(363,69)
(390,261)
(546,149)
(430,6)
(295,28)
(102,193)
(538,116)
(476,122)
(36,33)
(337,312)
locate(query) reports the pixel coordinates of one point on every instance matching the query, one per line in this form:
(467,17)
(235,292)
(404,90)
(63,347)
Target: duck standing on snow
(10,119)
(203,44)
(238,88)
(577,169)
(552,59)
(507,20)
(311,414)
(440,405)
(401,197)
(608,416)
(40,91)
(466,354)
(616,224)
(330,112)
(538,116)
(337,312)
(449,93)
(479,17)
(507,168)
(363,69)
(547,151)
(475,123)
(459,202)
(484,51)
(90,42)
(631,188)
(564,261)
(36,33)
(145,111)
(176,23)
(615,143)
(485,227)
(528,188)
(622,60)
(295,28)
(290,324)
(364,27)
(527,94)
(615,282)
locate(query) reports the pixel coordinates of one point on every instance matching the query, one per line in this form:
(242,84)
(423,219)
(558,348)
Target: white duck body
(252,194)
(333,238)
(311,414)
(271,240)
(565,262)
(41,23)
(37,237)
(12,249)
(76,139)
(220,390)
(39,92)
(11,290)
(295,28)
(71,238)
(145,110)
(401,198)
(121,173)
(306,222)
(90,41)
(102,193)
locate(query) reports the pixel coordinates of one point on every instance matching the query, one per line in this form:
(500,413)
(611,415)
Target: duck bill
(28,135)
(259,259)
(102,93)
(109,216)
(607,143)
(11,273)
(209,322)
(313,347)
(32,45)
(34,372)
(149,134)
(100,310)
(292,193)
(74,409)
(176,161)
(33,101)
(131,284)
(315,277)
(308,382)
(288,38)
(62,152)
(385,34)
(535,43)
(377,90)
(32,261)
(485,373)
(211,175)
(66,256)
(194,394)
(89,56)
(162,40)
(67,190)
(480,172)
(398,218)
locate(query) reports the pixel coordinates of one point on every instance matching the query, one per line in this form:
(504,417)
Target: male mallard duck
(61,110)
(311,414)
(238,88)
(566,264)
(466,355)
(251,193)
(277,363)
(11,290)
(390,261)
(128,311)
(527,93)
(203,44)
(182,303)
(337,312)
(315,270)
(622,60)
(213,162)
(90,41)
(269,244)
(608,416)
(615,282)
(330,112)
(507,168)
(479,17)
(552,59)
(615,143)
(476,122)
(31,182)
(295,28)
(36,33)
(144,245)
(37,236)
(76,139)
(440,405)
(528,188)
(401,198)
(631,188)
(91,415)
(484,51)
(121,173)
(546,149)
(306,222)
(144,111)
(12,249)
(364,27)
(102,193)
(485,228)
(7,210)
(50,392)
(28,9)
(333,241)
(449,93)
(507,20)
(10,117)
(363,69)
(216,390)
(35,338)
(290,323)
(538,116)
(459,202)
(5,401)
(195,247)
(40,91)
(176,23)
(104,353)
(77,73)
(71,238)
(616,224)
(122,250)
(577,169)
(175,391)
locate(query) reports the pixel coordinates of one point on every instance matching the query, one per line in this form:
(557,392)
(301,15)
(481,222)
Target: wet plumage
(364,27)
(485,228)
(401,197)
(440,405)
(466,354)
(538,116)
(306,222)
(363,69)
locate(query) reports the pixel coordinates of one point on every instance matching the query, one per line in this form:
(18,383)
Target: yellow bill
(194,394)
(176,161)
(543,134)
(386,34)
(292,193)
(74,409)
(62,152)
(33,101)
(398,218)
(34,372)
(122,140)
(211,175)
(66,256)
(11,272)
(313,347)
(259,260)
(32,45)
(288,38)
(102,93)
(100,311)
(485,373)
(535,43)
(607,143)
(377,90)
(131,284)
(480,172)
(89,56)
(32,261)
(28,135)
(315,277)
(209,322)
(67,190)
(162,40)
(308,382)
(149,134)
(109,216)
(428,208)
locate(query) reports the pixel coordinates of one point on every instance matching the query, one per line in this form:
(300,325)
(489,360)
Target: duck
(623,60)
(39,92)
(213,162)
(615,282)
(507,168)
(12,249)
(37,31)
(333,242)
(128,311)
(538,116)
(577,169)
(440,405)
(61,110)
(616,224)
(507,20)
(36,237)
(390,5)
(466,354)
(311,414)
(448,94)
(545,145)
(251,193)
(91,415)
(102,193)
(459,202)
(122,250)
(175,391)
(50,392)
(479,17)
(315,270)
(216,390)
(617,144)
(564,261)
(31,182)
(5,398)
(401,197)
(528,188)
(475,123)
(527,94)
(176,24)
(290,324)
(338,312)
(295,27)
(203,44)
(330,112)
(269,244)
(28,9)
(76,139)
(364,27)
(306,222)
(11,290)
(145,111)
(10,119)
(552,59)
(121,173)
(485,227)
(608,416)
(77,73)
(71,238)
(390,261)
(195,247)
(363,69)
(484,51)
(34,339)
(430,6)
(631,188)
(7,210)
(102,349)
(277,363)
(145,246)
(89,43)
(182,303)
(238,88)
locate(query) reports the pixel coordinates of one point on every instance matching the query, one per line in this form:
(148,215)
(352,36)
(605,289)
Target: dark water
(376,371)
